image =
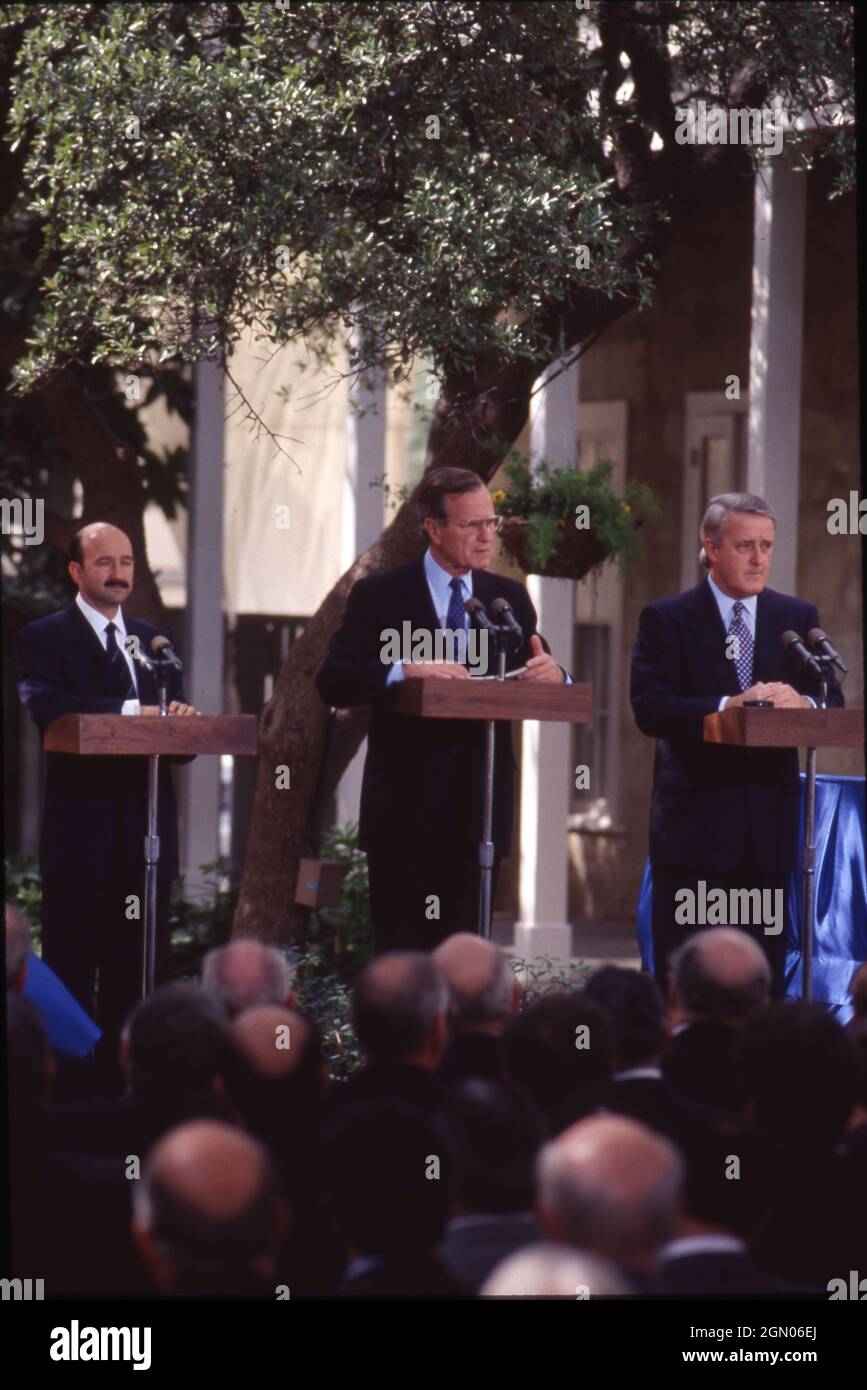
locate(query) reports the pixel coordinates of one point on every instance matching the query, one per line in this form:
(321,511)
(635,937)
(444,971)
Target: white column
(543,927)
(204,619)
(773,453)
(361,522)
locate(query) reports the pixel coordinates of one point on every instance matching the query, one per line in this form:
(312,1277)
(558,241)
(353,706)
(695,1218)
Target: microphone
(476,610)
(502,611)
(165,653)
(138,655)
(792,642)
(821,642)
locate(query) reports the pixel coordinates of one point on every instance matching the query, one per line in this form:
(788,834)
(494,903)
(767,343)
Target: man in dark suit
(94,815)
(726,816)
(421,800)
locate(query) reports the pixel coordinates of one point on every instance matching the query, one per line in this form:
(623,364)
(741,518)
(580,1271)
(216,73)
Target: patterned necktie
(456,617)
(740,629)
(121,680)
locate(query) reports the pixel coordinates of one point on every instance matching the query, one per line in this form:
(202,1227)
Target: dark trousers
(91,944)
(668,934)
(401,887)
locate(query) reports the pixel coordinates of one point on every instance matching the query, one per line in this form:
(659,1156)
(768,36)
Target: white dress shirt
(99,623)
(439,583)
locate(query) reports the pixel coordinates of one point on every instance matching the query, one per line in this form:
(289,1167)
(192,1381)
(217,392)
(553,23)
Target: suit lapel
(711,638)
(90,651)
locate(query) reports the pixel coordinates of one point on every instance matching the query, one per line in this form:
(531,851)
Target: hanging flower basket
(562,523)
(577,552)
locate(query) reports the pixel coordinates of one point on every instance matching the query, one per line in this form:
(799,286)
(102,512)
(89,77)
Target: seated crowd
(597,1142)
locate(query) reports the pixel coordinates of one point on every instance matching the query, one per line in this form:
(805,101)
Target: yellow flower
(626,507)
(499,495)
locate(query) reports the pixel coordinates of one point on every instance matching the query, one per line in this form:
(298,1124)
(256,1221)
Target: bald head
(610,1186)
(101,565)
(245,973)
(548,1270)
(399,1008)
(270,1040)
(482,988)
(720,975)
(17,947)
(207,1204)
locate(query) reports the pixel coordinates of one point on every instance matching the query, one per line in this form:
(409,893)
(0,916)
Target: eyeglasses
(485,523)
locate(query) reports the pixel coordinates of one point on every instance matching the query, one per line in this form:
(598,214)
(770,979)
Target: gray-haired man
(722,817)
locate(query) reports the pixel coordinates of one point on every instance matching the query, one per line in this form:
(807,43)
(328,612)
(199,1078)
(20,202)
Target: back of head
(273,1074)
(480,980)
(388,1179)
(732,1175)
(18,946)
(396,1001)
(208,1206)
(548,1270)
(720,975)
(611,1186)
(634,1008)
(559,1050)
(176,1048)
(800,1073)
(494,1133)
(247,972)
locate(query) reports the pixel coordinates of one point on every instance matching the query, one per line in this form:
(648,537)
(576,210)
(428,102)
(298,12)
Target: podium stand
(153,737)
(793,728)
(429,697)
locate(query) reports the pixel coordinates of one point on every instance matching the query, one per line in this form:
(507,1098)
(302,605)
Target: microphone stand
(808,912)
(498,635)
(152,845)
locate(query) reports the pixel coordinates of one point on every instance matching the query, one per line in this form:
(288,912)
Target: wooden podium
(745,727)
(429,697)
(153,737)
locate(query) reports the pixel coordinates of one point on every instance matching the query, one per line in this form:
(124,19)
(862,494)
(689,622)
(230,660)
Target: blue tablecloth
(69,1028)
(840,942)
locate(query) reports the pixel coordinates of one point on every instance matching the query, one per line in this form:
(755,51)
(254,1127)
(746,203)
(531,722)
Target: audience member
(494,1133)
(247,972)
(719,978)
(800,1075)
(559,1051)
(274,1085)
(548,1270)
(208,1218)
(398,1014)
(484,995)
(173,1054)
(389,1181)
(611,1187)
(731,1179)
(633,1006)
(69,1212)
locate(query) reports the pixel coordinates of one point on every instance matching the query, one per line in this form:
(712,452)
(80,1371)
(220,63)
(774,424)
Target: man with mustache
(94,815)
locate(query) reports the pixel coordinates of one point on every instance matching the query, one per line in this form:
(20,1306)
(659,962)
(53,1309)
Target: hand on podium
(781,696)
(445,670)
(541,665)
(176,707)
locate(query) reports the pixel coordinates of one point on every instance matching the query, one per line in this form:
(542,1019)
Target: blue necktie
(456,616)
(739,628)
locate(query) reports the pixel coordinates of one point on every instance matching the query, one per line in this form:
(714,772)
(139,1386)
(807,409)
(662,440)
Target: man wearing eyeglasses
(421,797)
